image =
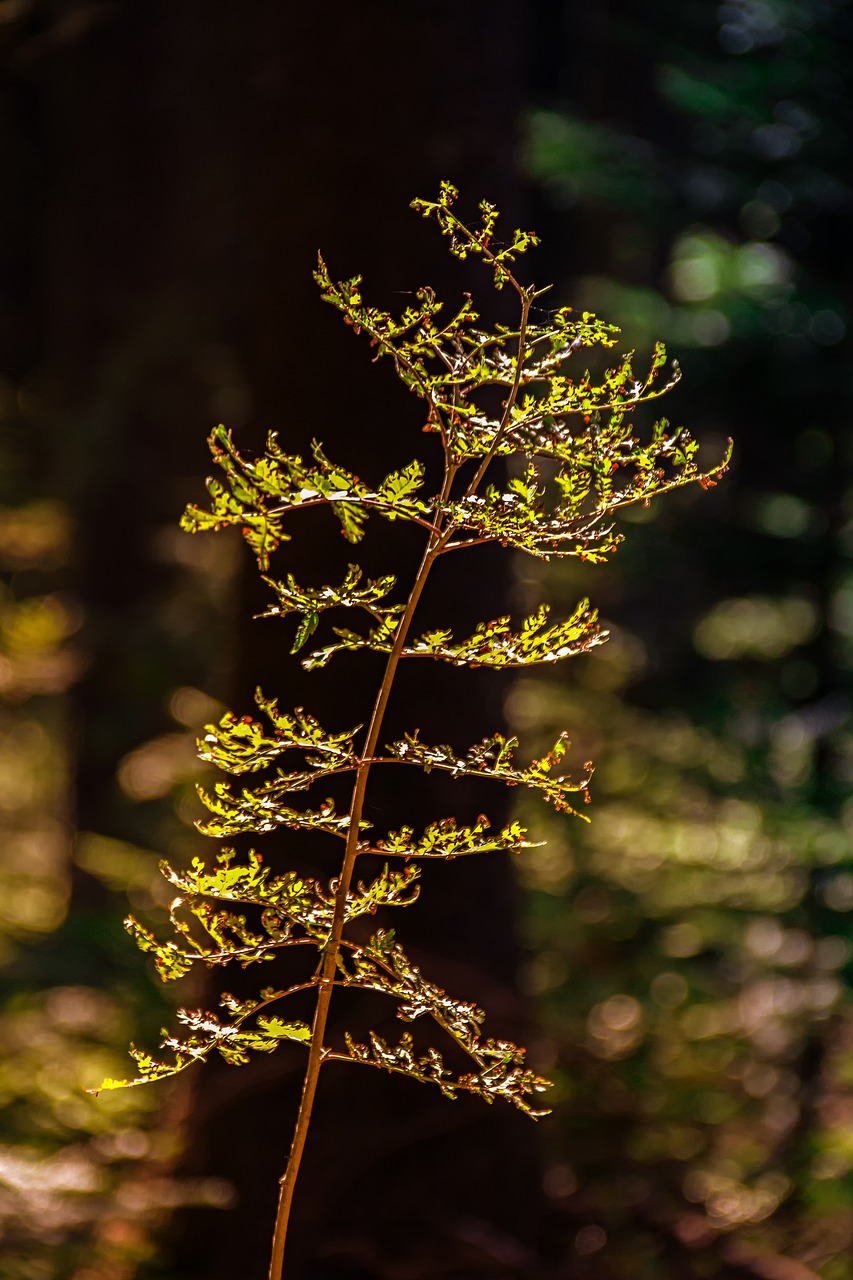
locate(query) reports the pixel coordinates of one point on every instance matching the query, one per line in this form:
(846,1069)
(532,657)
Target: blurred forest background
(682,966)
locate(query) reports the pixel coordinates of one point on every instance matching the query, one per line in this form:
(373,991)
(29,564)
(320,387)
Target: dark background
(682,968)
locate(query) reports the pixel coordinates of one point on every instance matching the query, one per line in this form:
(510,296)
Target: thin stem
(470,542)
(225,957)
(318,1052)
(368,1062)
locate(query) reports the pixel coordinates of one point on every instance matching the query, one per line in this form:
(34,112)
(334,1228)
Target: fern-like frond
(240,745)
(383,966)
(495,644)
(262,809)
(310,602)
(493,758)
(259,493)
(447,839)
(207,1033)
(503,1074)
(492,644)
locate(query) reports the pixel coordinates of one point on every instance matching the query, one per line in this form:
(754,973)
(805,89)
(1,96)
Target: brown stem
(318,1051)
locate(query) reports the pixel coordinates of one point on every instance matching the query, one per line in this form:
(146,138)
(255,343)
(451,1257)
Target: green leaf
(276,1029)
(306,628)
(398,487)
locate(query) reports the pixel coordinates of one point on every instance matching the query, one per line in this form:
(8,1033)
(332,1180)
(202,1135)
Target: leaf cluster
(259,493)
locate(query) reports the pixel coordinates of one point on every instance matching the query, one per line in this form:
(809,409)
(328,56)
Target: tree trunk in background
(199,159)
